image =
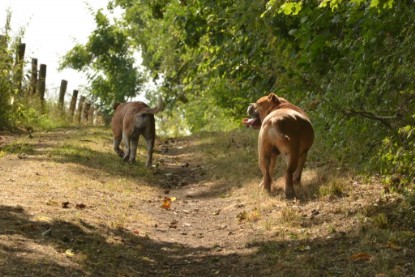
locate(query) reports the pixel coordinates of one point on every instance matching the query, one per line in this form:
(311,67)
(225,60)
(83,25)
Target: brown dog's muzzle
(252,110)
(254,121)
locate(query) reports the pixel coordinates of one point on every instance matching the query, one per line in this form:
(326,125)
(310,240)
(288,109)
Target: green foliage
(109,62)
(7,88)
(349,64)
(29,112)
(398,159)
(351,67)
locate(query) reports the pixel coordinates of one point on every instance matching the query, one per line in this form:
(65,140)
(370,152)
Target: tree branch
(383,119)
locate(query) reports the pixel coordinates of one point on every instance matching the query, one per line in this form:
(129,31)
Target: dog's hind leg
(267,179)
(150,146)
(117,149)
(298,172)
(149,134)
(292,162)
(126,140)
(265,157)
(133,148)
(275,153)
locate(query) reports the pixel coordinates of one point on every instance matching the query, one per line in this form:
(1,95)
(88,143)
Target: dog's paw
(290,195)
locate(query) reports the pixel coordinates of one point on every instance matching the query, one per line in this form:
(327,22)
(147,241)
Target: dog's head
(259,110)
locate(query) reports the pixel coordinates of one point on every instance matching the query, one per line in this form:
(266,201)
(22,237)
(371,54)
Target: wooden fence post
(85,112)
(42,83)
(73,103)
(62,91)
(19,66)
(33,77)
(91,114)
(80,107)
(97,118)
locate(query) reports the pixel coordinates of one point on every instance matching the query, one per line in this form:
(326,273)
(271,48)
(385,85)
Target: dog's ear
(115,105)
(273,98)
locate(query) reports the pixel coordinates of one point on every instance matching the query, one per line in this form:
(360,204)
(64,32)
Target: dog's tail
(156,109)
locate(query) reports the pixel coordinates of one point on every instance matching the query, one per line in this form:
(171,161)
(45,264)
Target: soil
(69,207)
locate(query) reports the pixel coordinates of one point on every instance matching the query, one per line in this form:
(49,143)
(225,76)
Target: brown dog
(130,120)
(285,129)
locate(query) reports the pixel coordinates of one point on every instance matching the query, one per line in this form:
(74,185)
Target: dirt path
(69,207)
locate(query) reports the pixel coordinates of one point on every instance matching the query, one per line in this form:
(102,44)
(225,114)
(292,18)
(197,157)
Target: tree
(109,62)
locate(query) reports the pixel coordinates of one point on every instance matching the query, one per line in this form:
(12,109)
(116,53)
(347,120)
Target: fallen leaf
(167,202)
(44,219)
(51,202)
(80,206)
(69,253)
(394,246)
(361,256)
(173,224)
(22,156)
(136,232)
(242,216)
(47,233)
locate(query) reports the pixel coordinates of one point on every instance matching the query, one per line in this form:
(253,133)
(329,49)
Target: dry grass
(70,207)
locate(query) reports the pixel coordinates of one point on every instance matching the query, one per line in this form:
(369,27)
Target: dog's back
(124,115)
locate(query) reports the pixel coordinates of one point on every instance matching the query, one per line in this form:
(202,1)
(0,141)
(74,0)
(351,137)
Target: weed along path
(70,207)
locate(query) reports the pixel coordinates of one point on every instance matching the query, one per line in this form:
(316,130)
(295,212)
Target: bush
(398,159)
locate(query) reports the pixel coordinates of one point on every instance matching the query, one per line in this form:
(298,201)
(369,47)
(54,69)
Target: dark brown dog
(130,120)
(285,129)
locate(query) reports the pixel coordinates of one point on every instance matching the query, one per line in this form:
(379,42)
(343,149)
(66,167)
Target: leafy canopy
(349,64)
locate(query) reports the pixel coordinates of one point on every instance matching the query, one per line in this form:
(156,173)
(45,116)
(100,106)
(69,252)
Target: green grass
(334,188)
(290,216)
(18,148)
